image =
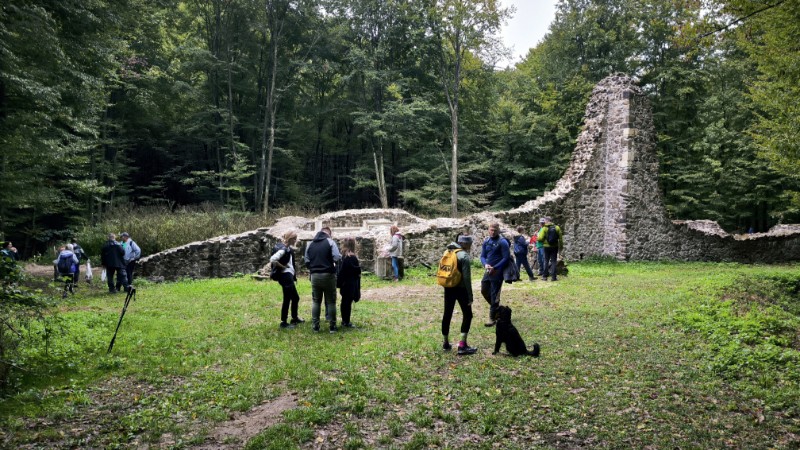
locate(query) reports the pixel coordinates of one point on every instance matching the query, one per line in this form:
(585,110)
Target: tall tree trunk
(454,164)
(269,120)
(377,156)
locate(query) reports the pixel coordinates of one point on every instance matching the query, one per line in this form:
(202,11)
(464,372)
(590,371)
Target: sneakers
(315,328)
(286,325)
(447,347)
(334,328)
(348,325)
(464,349)
(297,320)
(490,323)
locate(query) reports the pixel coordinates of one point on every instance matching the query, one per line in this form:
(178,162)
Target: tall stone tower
(609,194)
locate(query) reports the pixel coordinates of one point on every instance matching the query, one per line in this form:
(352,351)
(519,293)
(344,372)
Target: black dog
(507,332)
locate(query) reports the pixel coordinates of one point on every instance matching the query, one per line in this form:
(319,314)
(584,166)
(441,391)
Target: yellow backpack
(448,274)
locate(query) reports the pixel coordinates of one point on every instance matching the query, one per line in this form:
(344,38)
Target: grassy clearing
(630,358)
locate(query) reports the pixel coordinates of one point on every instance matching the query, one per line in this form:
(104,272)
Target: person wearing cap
(462,293)
(495,255)
(132,254)
(551,247)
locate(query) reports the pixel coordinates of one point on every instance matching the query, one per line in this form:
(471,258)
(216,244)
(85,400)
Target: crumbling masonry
(608,204)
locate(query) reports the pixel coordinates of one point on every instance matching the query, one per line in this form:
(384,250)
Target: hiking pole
(131,296)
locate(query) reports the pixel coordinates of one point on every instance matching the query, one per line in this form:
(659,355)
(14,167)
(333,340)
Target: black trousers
(290,296)
(550,262)
(129,272)
(451,296)
(122,278)
(346,307)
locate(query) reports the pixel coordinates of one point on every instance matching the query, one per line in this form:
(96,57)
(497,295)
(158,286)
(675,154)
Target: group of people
(542,240)
(115,257)
(119,258)
(495,257)
(329,269)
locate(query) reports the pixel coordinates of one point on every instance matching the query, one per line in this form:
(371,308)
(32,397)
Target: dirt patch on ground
(400,290)
(46,271)
(237,431)
(93,412)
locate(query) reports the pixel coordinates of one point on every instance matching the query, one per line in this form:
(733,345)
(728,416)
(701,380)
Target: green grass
(633,355)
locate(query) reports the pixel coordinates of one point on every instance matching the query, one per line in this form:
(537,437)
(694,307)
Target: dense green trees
(352,103)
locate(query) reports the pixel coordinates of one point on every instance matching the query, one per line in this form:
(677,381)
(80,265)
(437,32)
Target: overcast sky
(528,26)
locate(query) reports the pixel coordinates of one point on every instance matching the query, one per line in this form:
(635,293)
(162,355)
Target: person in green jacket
(552,239)
(462,293)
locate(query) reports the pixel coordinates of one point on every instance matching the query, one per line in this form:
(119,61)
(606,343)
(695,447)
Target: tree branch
(741,19)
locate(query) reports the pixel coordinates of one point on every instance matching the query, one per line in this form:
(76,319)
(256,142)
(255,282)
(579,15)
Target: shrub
(25,320)
(160,227)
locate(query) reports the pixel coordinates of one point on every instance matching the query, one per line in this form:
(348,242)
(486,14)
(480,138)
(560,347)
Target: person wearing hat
(461,293)
(132,254)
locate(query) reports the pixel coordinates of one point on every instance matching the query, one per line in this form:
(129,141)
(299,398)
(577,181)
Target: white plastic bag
(103,275)
(89,274)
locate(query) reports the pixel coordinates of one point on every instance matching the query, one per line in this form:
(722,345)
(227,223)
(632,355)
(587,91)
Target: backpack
(552,236)
(511,271)
(274,272)
(79,252)
(64,264)
(520,246)
(448,274)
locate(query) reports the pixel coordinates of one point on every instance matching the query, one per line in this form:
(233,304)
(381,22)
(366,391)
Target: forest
(251,105)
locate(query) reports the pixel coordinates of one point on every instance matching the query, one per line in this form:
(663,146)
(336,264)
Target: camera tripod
(131,296)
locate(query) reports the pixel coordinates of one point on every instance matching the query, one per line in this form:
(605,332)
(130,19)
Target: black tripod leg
(131,295)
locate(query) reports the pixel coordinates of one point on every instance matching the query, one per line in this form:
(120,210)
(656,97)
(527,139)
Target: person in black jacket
(284,273)
(321,257)
(112,257)
(348,280)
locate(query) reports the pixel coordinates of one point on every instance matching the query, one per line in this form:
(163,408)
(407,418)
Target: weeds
(161,227)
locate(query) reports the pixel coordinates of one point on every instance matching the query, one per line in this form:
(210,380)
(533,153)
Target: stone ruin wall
(608,203)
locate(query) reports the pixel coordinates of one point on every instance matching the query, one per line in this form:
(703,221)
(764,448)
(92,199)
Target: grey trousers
(323,284)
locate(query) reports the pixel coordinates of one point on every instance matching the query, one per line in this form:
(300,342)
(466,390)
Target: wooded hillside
(255,104)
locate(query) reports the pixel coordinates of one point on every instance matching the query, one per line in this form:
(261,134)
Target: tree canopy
(256,104)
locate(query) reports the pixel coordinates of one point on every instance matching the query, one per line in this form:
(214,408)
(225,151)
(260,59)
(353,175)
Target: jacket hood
(321,236)
(453,246)
(66,253)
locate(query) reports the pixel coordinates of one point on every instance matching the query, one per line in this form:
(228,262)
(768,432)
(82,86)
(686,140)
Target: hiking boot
(554,279)
(490,323)
(334,328)
(464,349)
(544,278)
(286,325)
(447,347)
(536,350)
(297,320)
(348,325)
(315,328)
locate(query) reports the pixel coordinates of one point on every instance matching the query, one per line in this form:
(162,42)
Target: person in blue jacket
(495,255)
